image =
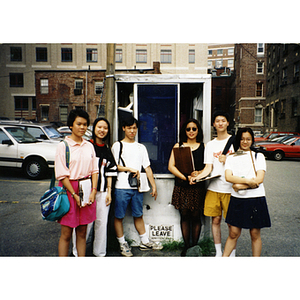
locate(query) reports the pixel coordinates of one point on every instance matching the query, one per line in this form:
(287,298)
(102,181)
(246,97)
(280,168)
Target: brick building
(57,92)
(250,86)
(283,92)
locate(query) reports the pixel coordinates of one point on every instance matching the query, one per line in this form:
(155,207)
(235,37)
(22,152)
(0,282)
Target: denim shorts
(126,196)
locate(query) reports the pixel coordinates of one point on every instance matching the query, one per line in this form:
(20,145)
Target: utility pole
(110,85)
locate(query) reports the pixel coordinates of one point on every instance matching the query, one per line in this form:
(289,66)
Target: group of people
(95,159)
(235,186)
(238,191)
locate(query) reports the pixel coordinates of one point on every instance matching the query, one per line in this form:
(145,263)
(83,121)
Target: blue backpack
(55,203)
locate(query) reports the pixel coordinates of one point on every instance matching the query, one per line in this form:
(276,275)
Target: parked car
(20,149)
(272,134)
(65,131)
(276,139)
(41,131)
(277,151)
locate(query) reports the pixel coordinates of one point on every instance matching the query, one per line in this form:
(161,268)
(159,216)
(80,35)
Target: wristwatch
(73,195)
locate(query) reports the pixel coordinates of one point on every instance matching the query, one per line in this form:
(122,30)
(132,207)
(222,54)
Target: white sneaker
(150,246)
(125,250)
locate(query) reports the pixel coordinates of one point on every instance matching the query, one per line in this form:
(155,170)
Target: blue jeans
(126,196)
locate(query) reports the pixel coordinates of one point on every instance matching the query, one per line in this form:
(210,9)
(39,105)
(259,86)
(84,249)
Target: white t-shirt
(241,165)
(212,152)
(135,156)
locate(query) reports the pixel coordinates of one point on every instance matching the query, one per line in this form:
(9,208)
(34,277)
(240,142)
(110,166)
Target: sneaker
(150,246)
(125,250)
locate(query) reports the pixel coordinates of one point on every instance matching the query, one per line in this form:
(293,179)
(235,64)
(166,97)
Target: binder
(184,161)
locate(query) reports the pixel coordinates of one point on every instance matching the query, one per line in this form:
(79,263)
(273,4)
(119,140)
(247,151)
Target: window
(260,68)
(66,55)
(282,109)
(220,52)
(219,63)
(141,55)
(209,52)
(21,103)
(209,64)
(16,80)
(3,136)
(294,107)
(98,87)
(15,53)
(41,54)
(119,55)
(191,56)
(158,115)
(166,56)
(63,113)
(230,51)
(91,55)
(44,112)
(259,89)
(296,72)
(230,63)
(258,114)
(78,87)
(284,76)
(44,86)
(260,48)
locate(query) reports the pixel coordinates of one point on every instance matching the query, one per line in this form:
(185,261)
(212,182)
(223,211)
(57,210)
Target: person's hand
(222,158)
(136,173)
(92,196)
(154,193)
(252,183)
(108,199)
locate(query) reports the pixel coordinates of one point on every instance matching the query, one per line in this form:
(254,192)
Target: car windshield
(20,135)
(52,132)
(266,134)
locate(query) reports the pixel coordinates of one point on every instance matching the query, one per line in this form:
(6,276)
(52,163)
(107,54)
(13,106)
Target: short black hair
(183,136)
(129,121)
(74,113)
(222,113)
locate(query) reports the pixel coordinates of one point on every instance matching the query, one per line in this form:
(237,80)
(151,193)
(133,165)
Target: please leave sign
(161,231)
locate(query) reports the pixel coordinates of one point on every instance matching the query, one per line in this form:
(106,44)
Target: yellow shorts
(216,202)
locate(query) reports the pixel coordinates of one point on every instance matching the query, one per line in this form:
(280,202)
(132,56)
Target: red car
(272,134)
(277,151)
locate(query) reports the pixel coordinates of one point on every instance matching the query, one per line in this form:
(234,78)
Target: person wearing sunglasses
(189,199)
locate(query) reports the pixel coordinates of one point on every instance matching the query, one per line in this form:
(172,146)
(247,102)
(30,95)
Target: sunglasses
(189,128)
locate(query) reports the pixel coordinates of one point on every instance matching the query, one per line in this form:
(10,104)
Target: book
(184,161)
(208,178)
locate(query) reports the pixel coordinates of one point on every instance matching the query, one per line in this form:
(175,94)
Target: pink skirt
(77,216)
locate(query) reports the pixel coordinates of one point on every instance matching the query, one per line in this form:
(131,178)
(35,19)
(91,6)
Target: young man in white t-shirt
(219,190)
(135,156)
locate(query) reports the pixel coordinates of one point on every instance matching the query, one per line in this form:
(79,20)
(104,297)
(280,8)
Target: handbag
(55,203)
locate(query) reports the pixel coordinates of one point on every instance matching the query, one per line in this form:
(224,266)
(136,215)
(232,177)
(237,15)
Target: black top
(107,165)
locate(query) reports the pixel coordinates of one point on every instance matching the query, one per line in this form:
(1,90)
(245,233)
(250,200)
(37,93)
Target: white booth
(162,103)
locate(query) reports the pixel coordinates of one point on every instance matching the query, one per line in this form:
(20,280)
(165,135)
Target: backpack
(55,203)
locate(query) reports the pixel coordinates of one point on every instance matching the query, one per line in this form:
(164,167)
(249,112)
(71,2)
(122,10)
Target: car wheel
(35,168)
(278,155)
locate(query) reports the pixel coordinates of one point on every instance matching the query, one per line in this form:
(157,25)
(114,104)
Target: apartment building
(250,85)
(220,56)
(20,62)
(283,87)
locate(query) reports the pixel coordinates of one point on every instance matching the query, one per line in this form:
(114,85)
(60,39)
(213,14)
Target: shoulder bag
(55,203)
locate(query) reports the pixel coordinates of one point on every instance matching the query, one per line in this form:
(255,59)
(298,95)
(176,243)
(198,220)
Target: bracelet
(94,188)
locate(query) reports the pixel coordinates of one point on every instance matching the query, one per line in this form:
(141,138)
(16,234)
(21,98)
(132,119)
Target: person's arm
(67,184)
(172,168)
(108,194)
(205,172)
(251,182)
(150,177)
(94,188)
